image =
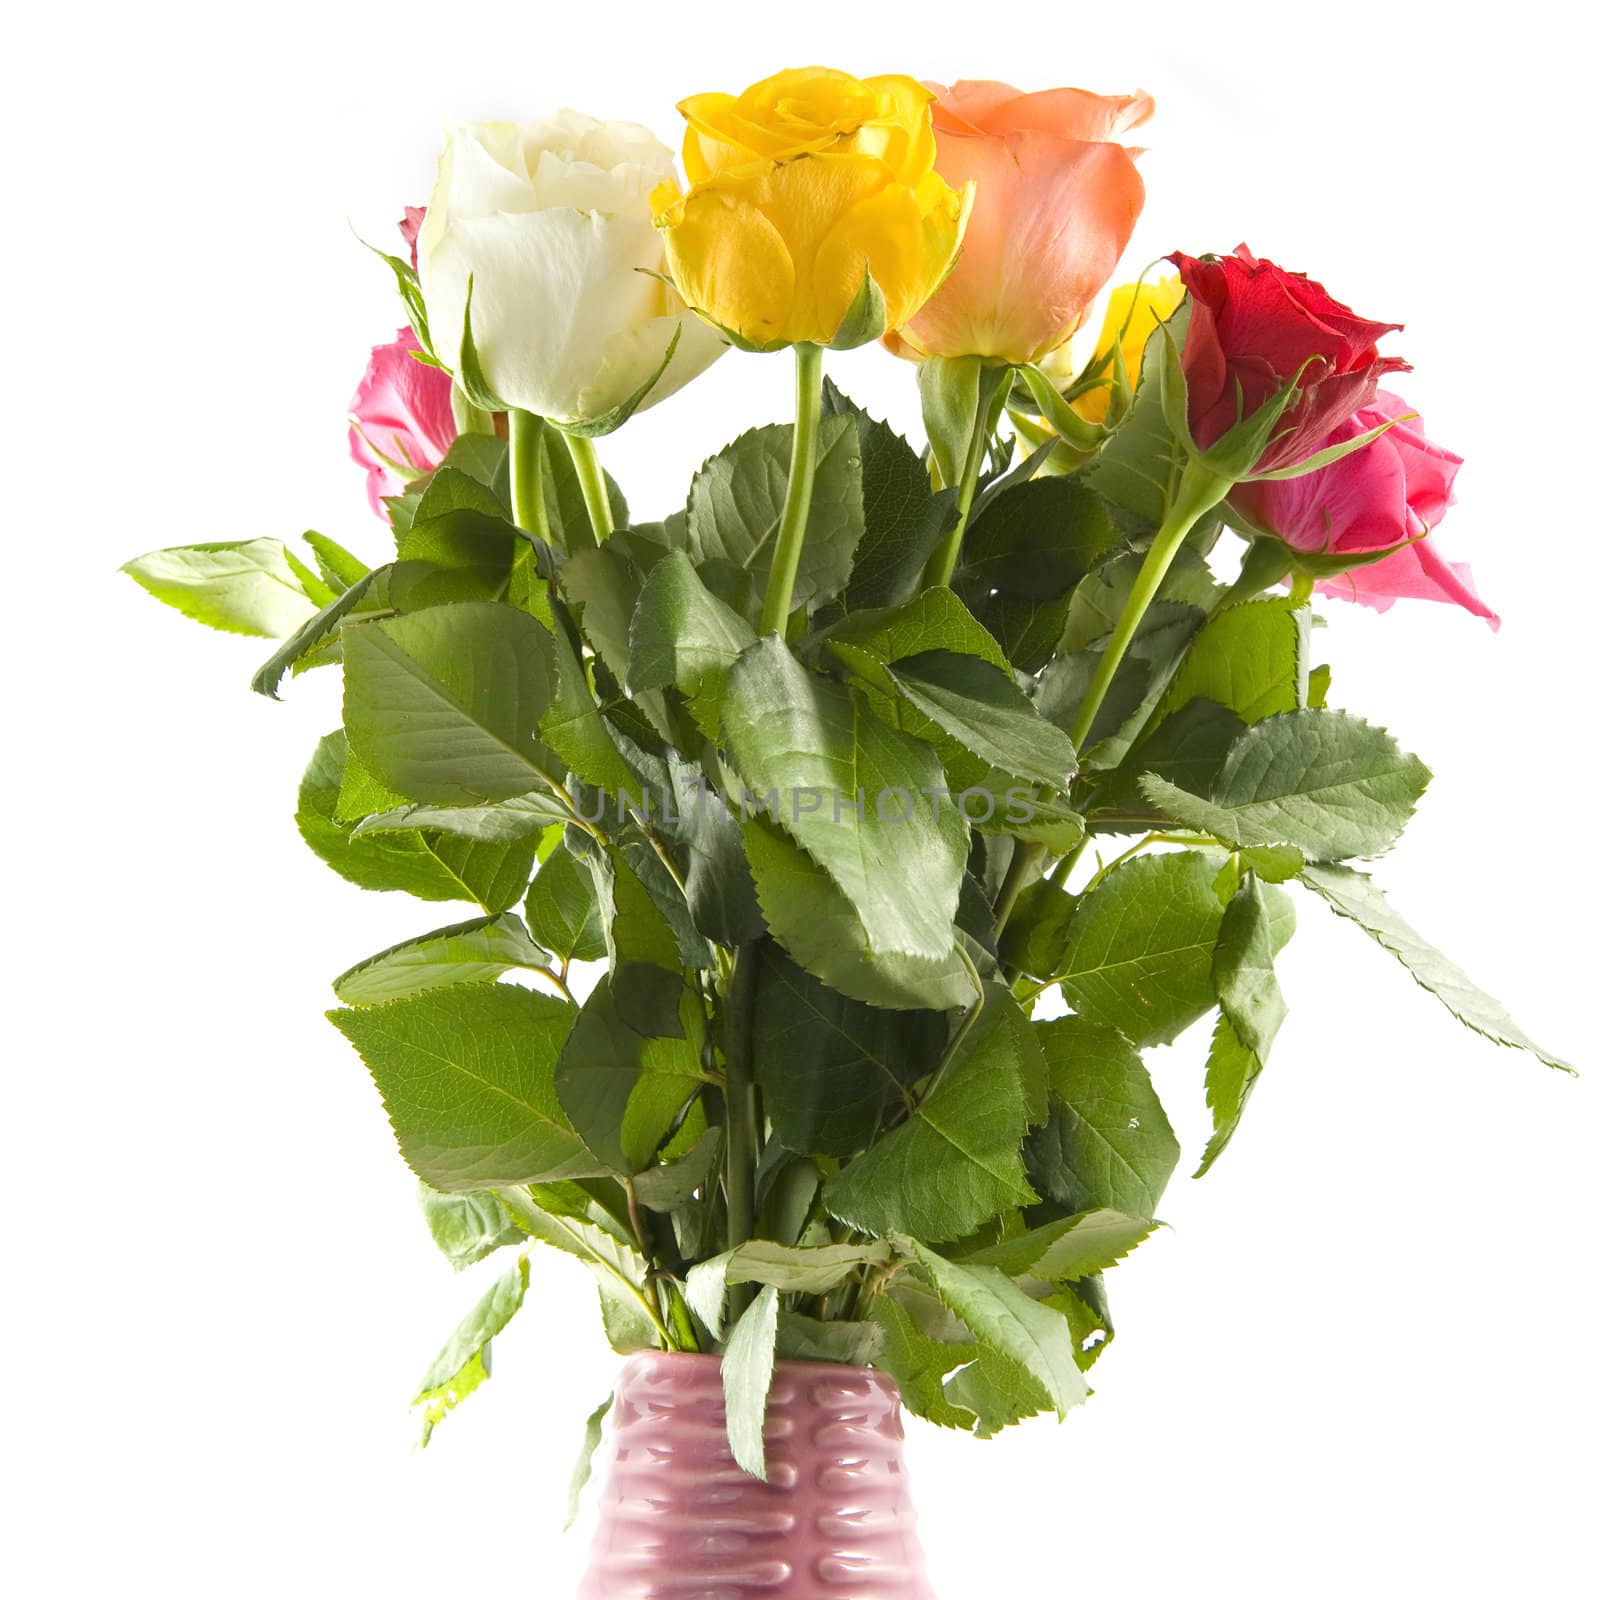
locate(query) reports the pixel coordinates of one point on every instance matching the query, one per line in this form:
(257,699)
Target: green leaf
(1254,659)
(935,620)
(1024,556)
(337,565)
(1324,781)
(955,1162)
(1001,1316)
(851,1344)
(1139,947)
(316,640)
(1186,748)
(463,1364)
(1138,467)
(1247,988)
(684,636)
(626,1071)
(568,1219)
(466,952)
(810,917)
(400,861)
(983,709)
(904,518)
(563,909)
(244,586)
(676,1183)
(427,864)
(736,504)
(1354,895)
(461,483)
(1066,1249)
(1035,937)
(717,887)
(572,725)
(997,1391)
(523,816)
(602,586)
(487,458)
(790,1269)
(918,1362)
(807,741)
(584,1465)
(467,1075)
(829,1067)
(468,1226)
(1252,1010)
(1108,1143)
(441,706)
(1232,1068)
(747,1365)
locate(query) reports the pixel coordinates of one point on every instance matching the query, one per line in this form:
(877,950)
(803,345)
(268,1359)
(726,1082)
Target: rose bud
(401,422)
(1253,329)
(1389,495)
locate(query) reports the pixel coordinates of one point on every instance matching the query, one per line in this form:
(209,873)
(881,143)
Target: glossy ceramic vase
(680,1521)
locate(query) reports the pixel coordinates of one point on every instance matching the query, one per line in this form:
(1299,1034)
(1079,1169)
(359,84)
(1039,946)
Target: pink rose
(411,226)
(1057,197)
(1395,488)
(401,411)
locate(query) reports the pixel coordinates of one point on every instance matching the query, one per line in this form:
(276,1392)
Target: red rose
(1252,328)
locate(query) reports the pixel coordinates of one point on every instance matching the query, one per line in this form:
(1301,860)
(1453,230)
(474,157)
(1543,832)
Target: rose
(799,188)
(401,422)
(1057,198)
(411,226)
(1392,490)
(551,224)
(1253,328)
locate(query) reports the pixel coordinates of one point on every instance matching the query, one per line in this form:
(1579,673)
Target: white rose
(551,221)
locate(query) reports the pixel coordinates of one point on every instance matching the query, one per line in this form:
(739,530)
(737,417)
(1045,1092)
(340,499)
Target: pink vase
(680,1521)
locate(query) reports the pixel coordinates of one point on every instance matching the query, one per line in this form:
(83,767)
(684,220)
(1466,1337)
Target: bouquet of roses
(845,770)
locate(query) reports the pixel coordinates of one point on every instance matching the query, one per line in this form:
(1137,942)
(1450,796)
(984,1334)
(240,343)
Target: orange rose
(1057,199)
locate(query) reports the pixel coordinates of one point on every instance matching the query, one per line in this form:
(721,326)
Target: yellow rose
(799,188)
(1133,314)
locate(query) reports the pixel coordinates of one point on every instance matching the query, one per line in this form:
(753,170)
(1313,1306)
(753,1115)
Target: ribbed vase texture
(680,1521)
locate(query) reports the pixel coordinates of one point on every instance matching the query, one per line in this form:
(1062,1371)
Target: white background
(1360,1361)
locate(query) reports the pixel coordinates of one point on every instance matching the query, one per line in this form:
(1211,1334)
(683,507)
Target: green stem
(941,568)
(740,1134)
(592,480)
(1198,490)
(959,1037)
(797,501)
(527,474)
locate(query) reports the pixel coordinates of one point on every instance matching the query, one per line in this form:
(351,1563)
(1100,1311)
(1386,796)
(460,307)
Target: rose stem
(797,500)
(527,474)
(1198,490)
(592,480)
